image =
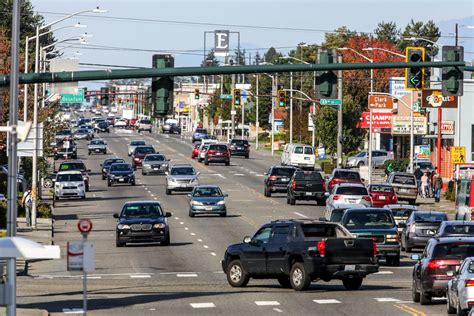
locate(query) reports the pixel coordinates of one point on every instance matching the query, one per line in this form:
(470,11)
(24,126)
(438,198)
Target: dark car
(142,222)
(379,225)
(175,129)
(306,185)
(199,134)
(76,166)
(296,252)
(382,194)
(139,154)
(102,127)
(342,176)
(435,267)
(106,165)
(239,147)
(217,153)
(455,229)
(277,179)
(120,173)
(207,200)
(419,228)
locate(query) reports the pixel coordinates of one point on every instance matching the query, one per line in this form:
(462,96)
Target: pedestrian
(27,202)
(418,174)
(434,173)
(425,185)
(438,185)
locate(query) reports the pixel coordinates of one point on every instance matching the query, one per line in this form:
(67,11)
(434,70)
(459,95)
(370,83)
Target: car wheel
(105,152)
(425,299)
(321,202)
(460,311)
(109,183)
(103,178)
(360,164)
(287,200)
(227,163)
(83,197)
(299,278)
(393,261)
(89,153)
(223,214)
(48,183)
(143,173)
(247,156)
(191,214)
(267,192)
(284,281)
(412,202)
(415,296)
(407,249)
(199,159)
(87,187)
(352,284)
(236,274)
(449,308)
(166,242)
(56,198)
(118,243)
(168,192)
(292,201)
(133,183)
(206,161)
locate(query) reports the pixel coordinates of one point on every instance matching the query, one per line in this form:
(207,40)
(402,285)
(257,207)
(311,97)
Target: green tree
(418,29)
(265,99)
(258,58)
(211,60)
(338,38)
(387,31)
(271,56)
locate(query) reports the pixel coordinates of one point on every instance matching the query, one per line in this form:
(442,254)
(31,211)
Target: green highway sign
(227,96)
(330,101)
(73,98)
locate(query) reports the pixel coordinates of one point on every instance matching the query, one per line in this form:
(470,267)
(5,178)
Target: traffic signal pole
(339,113)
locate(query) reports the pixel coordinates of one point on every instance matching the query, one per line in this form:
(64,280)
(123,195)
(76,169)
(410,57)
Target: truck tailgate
(349,250)
(309,186)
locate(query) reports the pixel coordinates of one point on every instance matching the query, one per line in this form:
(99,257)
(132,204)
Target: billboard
(221,43)
(401,125)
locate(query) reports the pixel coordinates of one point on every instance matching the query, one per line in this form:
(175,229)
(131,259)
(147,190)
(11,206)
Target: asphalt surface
(186,277)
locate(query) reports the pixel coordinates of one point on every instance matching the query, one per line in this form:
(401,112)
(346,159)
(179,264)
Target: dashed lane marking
(218,175)
(206,246)
(192,234)
(267,303)
(386,299)
(240,174)
(213,254)
(327,301)
(181,223)
(300,215)
(186,228)
(141,276)
(384,272)
(187,275)
(259,175)
(176,218)
(72,311)
(278,310)
(202,305)
(200,240)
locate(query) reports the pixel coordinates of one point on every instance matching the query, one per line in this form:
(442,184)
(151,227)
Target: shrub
(397,165)
(44,211)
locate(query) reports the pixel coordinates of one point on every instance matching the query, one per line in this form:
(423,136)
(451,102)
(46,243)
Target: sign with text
(221,43)
(401,125)
(458,154)
(380,102)
(330,102)
(379,120)
(435,99)
(397,87)
(422,151)
(447,128)
(73,98)
(80,256)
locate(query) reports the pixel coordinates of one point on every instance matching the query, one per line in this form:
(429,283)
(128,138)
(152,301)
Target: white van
(298,155)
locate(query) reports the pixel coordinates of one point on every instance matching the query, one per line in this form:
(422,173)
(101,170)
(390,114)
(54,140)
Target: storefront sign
(422,151)
(447,128)
(401,125)
(379,120)
(435,99)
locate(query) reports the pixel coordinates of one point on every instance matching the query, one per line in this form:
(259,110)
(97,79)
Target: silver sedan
(460,293)
(154,163)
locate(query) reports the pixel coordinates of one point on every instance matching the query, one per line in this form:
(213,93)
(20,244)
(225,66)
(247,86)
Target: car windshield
(318,230)
(145,150)
(336,215)
(362,154)
(109,162)
(401,212)
(347,175)
(72,166)
(145,122)
(142,211)
(97,142)
(368,219)
(204,192)
(121,167)
(351,191)
(218,147)
(285,172)
(381,188)
(155,158)
(459,229)
(239,142)
(410,180)
(430,217)
(308,175)
(69,178)
(137,143)
(103,124)
(458,250)
(201,130)
(183,171)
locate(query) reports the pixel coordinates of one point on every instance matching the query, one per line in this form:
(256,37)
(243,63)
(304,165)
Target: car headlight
(147,165)
(221,202)
(392,238)
(104,170)
(112,176)
(171,180)
(81,185)
(159,225)
(130,175)
(123,226)
(196,203)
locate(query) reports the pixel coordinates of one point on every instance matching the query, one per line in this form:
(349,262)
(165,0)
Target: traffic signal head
(236,96)
(196,94)
(415,76)
(452,77)
(162,88)
(104,96)
(326,80)
(281,98)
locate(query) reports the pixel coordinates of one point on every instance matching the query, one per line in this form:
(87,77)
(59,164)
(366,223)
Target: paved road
(186,276)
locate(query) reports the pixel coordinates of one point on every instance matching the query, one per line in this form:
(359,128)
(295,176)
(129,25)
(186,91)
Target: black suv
(239,147)
(430,273)
(102,127)
(106,165)
(277,179)
(120,173)
(142,222)
(306,185)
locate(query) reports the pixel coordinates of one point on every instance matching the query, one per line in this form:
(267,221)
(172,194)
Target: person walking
(425,185)
(438,185)
(27,203)
(418,174)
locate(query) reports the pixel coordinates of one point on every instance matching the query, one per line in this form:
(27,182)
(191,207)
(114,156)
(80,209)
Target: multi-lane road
(186,277)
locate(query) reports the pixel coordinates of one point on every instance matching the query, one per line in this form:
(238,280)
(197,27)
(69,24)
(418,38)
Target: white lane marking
(153,309)
(151,194)
(187,275)
(278,310)
(386,299)
(300,215)
(233,190)
(213,254)
(141,276)
(384,272)
(219,175)
(218,272)
(200,240)
(92,277)
(166,273)
(181,223)
(202,305)
(181,154)
(240,174)
(243,200)
(156,198)
(72,311)
(176,218)
(259,175)
(157,141)
(252,172)
(186,228)
(206,246)
(267,303)
(409,302)
(192,234)
(328,301)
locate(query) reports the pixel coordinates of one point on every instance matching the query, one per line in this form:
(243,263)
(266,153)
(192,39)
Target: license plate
(309,193)
(121,180)
(239,148)
(381,197)
(156,168)
(306,158)
(284,179)
(349,267)
(208,208)
(97,150)
(430,232)
(218,154)
(351,201)
(403,190)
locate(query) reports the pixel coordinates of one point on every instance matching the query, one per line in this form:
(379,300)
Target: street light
(414,38)
(383,50)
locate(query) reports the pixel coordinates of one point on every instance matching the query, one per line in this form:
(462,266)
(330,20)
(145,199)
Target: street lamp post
(257,123)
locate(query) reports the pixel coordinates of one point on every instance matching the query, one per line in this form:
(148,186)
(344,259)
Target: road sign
(233,112)
(73,98)
(84,225)
(310,122)
(380,102)
(75,252)
(458,154)
(330,101)
(227,96)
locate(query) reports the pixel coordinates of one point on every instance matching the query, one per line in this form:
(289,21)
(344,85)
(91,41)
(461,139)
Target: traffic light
(86,95)
(281,98)
(237,97)
(196,94)
(452,77)
(162,88)
(326,80)
(415,76)
(104,96)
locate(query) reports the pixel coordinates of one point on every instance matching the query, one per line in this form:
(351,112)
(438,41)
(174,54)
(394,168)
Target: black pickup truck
(306,185)
(297,252)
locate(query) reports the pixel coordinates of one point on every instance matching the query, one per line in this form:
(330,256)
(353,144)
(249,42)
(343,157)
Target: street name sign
(330,101)
(73,98)
(227,96)
(380,102)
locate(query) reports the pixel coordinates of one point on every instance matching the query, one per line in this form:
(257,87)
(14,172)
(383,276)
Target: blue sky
(317,15)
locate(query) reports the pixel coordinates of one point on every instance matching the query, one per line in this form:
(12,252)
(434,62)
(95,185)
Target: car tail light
(433,264)
(322,248)
(367,198)
(211,152)
(324,186)
(336,197)
(272,178)
(394,197)
(333,182)
(374,248)
(293,185)
(469,283)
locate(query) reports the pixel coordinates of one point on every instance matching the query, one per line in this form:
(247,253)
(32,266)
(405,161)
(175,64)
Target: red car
(195,152)
(382,194)
(139,154)
(342,176)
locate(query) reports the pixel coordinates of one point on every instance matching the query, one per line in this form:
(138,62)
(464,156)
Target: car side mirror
(326,194)
(197,174)
(402,224)
(415,257)
(362,180)
(168,214)
(116,215)
(226,195)
(189,195)
(247,239)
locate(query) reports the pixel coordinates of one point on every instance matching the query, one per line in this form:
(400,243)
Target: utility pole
(339,114)
(257,124)
(291,107)
(232,111)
